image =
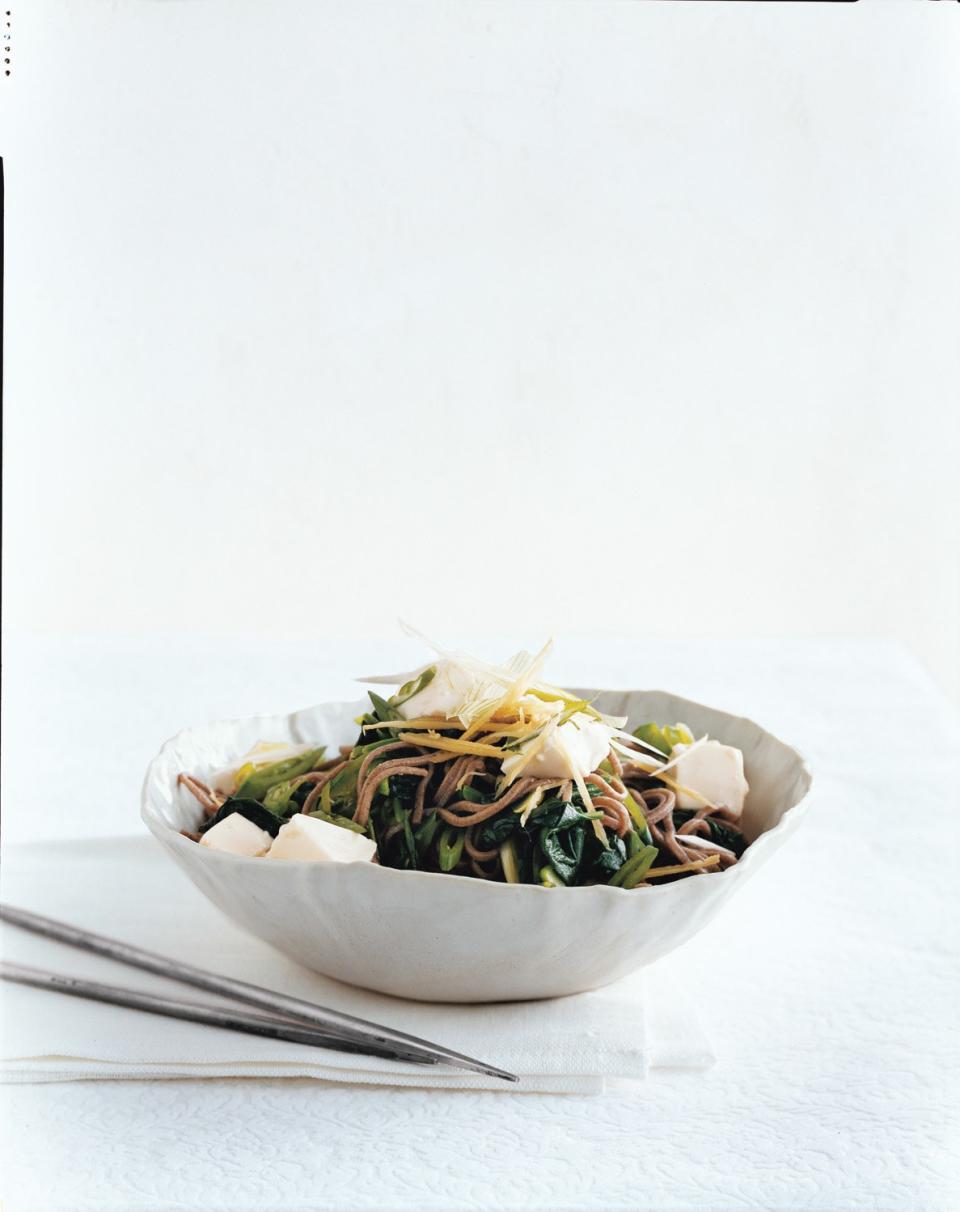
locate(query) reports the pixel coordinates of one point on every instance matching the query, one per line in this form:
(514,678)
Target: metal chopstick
(195,1012)
(242,991)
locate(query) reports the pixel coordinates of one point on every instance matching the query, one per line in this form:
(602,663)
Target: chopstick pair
(195,1012)
(291,1018)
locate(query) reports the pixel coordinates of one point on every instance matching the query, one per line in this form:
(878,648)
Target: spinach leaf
(563,850)
(495,831)
(609,860)
(300,793)
(720,832)
(573,816)
(558,815)
(404,789)
(253,810)
(726,835)
(550,813)
(526,858)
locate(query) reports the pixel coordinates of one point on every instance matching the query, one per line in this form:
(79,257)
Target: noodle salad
(487,771)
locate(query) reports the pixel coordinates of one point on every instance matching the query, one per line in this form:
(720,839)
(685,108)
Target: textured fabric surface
(829,986)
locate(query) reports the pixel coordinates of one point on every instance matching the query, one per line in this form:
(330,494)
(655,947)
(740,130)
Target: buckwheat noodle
(688,846)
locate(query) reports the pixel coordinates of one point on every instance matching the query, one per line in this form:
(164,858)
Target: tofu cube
(307,839)
(236,835)
(713,770)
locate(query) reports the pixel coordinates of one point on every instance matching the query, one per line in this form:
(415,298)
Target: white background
(540,318)
(633,323)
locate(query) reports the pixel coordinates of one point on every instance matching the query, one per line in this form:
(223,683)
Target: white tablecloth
(831,984)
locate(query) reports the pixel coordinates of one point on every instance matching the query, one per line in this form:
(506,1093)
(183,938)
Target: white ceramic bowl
(450,938)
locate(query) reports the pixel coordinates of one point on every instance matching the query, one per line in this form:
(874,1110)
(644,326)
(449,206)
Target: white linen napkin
(127,888)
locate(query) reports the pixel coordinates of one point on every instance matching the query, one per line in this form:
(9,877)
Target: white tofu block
(236,835)
(307,839)
(577,747)
(712,769)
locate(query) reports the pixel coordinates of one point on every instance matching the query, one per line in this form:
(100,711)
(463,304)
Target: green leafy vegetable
(549,877)
(253,810)
(300,792)
(609,861)
(259,783)
(651,736)
(425,833)
(280,799)
(541,839)
(401,815)
(664,737)
(450,848)
(720,832)
(508,861)
(563,849)
(496,830)
(679,734)
(634,869)
(382,711)
(639,820)
(550,813)
(343,785)
(411,688)
(343,821)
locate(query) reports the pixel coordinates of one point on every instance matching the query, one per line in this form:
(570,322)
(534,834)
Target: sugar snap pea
(256,786)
